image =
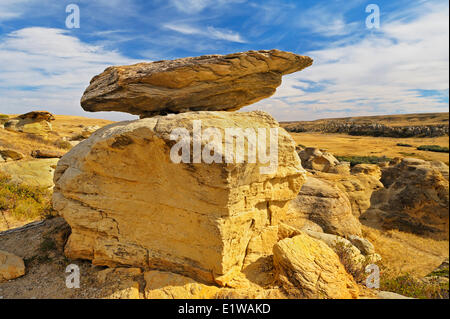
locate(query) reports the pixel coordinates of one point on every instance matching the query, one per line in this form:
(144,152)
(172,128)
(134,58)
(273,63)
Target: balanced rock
(308,268)
(130,199)
(326,205)
(205,83)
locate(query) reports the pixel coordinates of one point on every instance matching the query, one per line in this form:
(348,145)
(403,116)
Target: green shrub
(354,160)
(433,148)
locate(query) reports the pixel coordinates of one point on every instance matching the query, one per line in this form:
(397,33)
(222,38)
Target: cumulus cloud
(47,68)
(403,68)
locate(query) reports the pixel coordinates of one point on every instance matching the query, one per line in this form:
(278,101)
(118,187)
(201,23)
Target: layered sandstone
(205,83)
(128,203)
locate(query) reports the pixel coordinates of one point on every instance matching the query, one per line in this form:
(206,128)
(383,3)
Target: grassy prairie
(347,145)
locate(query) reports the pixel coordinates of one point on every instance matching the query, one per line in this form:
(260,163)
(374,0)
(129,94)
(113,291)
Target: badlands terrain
(105,196)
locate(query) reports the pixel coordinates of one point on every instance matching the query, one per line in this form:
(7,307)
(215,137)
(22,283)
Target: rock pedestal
(129,203)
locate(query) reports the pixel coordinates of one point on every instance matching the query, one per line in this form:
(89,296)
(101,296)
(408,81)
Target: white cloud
(326,20)
(209,32)
(382,73)
(49,69)
(10,9)
(195,6)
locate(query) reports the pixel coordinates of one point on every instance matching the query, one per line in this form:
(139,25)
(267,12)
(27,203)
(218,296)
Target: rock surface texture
(205,83)
(308,268)
(128,203)
(36,172)
(326,205)
(415,198)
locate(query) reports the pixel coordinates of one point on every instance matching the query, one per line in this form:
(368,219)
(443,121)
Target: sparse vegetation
(433,148)
(22,201)
(409,286)
(354,160)
(404,145)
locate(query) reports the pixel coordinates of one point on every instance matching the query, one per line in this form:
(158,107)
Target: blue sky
(401,67)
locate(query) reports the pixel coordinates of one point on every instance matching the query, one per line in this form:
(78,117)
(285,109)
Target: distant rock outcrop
(36,122)
(205,83)
(415,198)
(372,129)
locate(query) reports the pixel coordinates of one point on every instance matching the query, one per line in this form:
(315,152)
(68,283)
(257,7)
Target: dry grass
(404,253)
(347,145)
(63,126)
(22,203)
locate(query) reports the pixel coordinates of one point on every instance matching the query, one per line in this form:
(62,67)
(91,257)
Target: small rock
(365,246)
(7,154)
(11,266)
(46,154)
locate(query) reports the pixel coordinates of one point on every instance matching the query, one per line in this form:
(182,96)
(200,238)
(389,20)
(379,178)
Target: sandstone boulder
(205,83)
(324,204)
(36,172)
(316,159)
(415,199)
(128,203)
(359,188)
(36,122)
(10,155)
(11,266)
(308,268)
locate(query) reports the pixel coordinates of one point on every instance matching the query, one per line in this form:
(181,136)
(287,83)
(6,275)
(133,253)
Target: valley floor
(347,145)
